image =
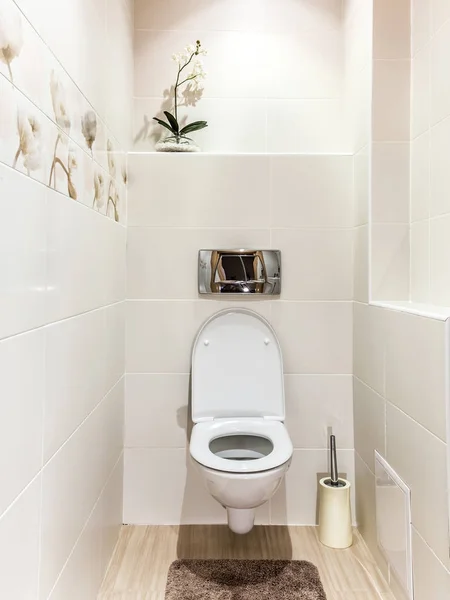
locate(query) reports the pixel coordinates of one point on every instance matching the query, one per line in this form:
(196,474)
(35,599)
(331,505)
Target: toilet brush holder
(335,520)
(335,515)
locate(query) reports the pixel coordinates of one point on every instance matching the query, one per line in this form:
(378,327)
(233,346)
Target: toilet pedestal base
(241,520)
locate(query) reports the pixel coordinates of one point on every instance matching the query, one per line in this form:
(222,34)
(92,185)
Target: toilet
(239,441)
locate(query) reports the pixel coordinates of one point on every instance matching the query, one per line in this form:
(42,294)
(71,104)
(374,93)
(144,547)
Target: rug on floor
(192,579)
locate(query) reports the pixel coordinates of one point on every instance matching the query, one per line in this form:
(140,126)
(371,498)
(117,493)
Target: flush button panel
(239,272)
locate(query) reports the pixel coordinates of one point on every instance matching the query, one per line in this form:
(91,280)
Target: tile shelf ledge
(153,152)
(440,313)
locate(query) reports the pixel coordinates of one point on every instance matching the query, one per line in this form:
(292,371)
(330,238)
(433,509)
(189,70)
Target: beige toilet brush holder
(335,516)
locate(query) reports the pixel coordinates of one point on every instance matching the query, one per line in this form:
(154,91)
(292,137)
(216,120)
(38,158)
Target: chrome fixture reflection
(239,271)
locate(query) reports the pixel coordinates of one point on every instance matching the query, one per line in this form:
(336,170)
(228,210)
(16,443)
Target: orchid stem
(16,158)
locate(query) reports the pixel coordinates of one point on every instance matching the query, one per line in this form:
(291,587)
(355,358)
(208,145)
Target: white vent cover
(393,508)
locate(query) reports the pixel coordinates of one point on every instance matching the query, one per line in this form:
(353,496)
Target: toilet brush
(335,520)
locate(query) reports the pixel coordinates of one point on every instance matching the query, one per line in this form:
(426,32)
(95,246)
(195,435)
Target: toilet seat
(274,431)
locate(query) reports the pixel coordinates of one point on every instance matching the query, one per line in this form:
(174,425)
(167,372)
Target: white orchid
(29,130)
(59,103)
(194,79)
(11,35)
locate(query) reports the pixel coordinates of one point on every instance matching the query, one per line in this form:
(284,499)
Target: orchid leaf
(164,124)
(195,126)
(173,122)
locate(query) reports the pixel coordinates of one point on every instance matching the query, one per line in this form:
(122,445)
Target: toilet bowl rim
(275,431)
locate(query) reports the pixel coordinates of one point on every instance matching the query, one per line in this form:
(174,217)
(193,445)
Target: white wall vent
(393,508)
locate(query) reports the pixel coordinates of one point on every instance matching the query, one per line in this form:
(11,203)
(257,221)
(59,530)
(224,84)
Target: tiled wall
(65,69)
(299,204)
(430,133)
(400,363)
(275,73)
(390,252)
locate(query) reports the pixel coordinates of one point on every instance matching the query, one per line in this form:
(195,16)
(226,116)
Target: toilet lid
(237,368)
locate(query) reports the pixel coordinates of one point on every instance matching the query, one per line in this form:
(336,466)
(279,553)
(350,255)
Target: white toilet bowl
(239,441)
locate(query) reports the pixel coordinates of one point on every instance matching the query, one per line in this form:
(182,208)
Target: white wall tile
(156,410)
(296,504)
(369,345)
(200,14)
(366,509)
(420,91)
(415,368)
(369,410)
(160,334)
(236,62)
(75,375)
(82,575)
(420,23)
(312,191)
(315,337)
(391,25)
(420,261)
(215,187)
(23,256)
(411,455)
(321,16)
(440,175)
(431,578)
(317,264)
(22,389)
(361,264)
(391,92)
(439,257)
(234,124)
(305,126)
(361,186)
(112,513)
(440,84)
(317,76)
(180,495)
(440,12)
(420,177)
(315,403)
(390,182)
(390,261)
(19,545)
(163,263)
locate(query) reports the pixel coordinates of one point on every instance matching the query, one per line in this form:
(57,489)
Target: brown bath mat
(243,580)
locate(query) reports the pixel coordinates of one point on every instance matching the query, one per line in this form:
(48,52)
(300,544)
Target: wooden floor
(138,569)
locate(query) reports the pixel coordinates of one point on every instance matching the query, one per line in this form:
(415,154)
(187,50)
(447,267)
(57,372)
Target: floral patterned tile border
(48,129)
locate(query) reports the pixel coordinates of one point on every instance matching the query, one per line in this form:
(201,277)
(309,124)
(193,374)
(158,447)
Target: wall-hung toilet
(239,441)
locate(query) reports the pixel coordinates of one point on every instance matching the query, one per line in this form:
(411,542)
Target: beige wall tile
(421,23)
(439,172)
(361,186)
